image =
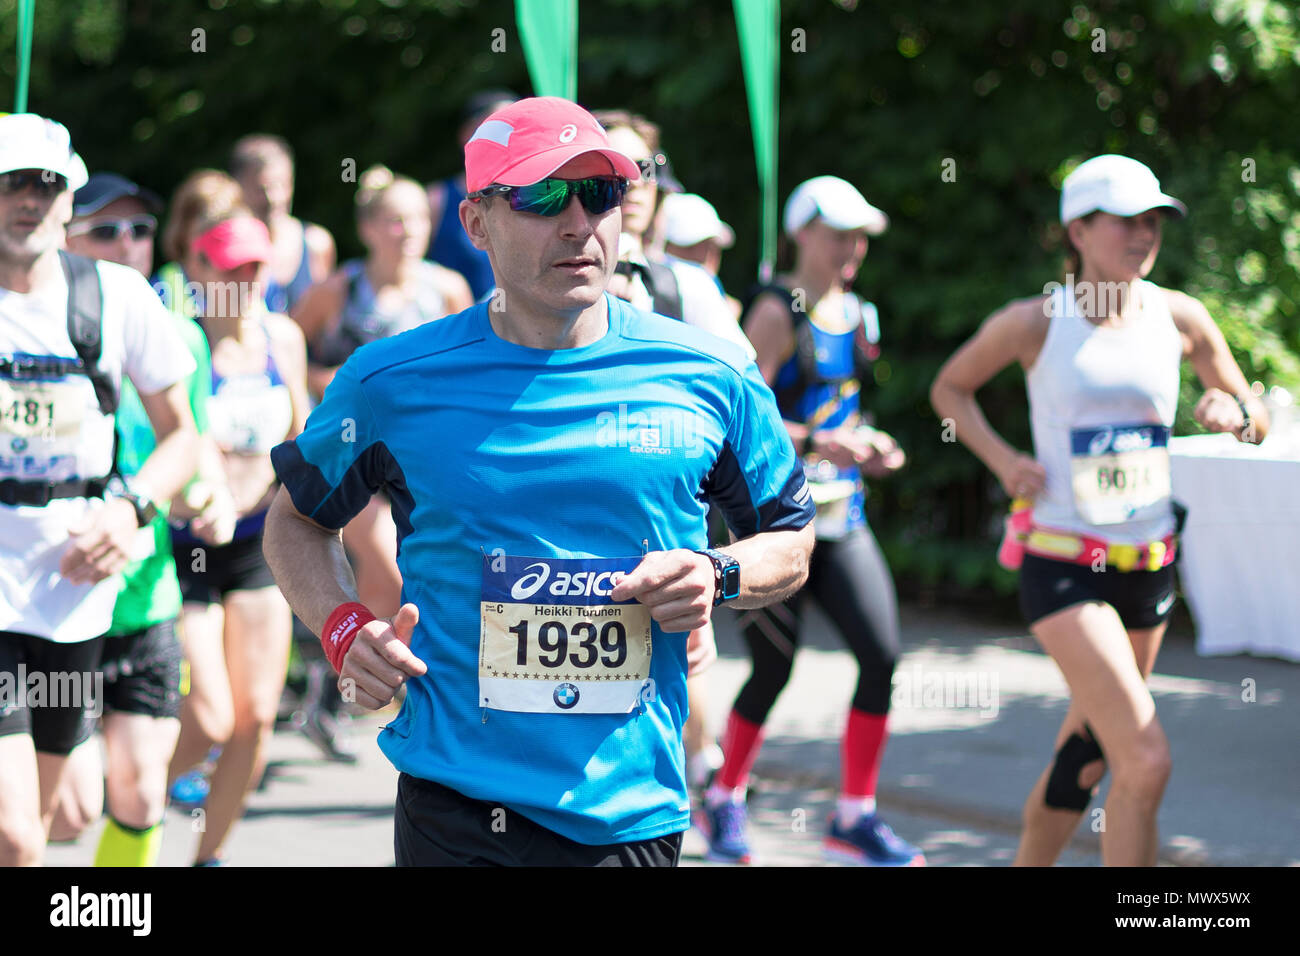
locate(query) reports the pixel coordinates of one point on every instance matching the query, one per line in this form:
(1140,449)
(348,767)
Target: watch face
(731,583)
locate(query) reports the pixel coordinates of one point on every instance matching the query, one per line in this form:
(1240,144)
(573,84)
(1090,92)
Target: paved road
(976,708)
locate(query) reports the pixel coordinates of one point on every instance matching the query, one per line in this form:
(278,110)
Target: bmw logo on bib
(566,696)
(19,444)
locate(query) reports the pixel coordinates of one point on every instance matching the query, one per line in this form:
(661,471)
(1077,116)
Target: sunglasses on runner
(108,230)
(550,197)
(41,181)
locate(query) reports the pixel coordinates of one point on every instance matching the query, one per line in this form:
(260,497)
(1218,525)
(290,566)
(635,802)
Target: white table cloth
(1240,565)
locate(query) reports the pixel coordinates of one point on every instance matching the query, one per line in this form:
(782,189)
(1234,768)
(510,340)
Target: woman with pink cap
(1101,356)
(815,342)
(235,617)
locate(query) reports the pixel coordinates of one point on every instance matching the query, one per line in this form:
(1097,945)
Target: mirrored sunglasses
(550,197)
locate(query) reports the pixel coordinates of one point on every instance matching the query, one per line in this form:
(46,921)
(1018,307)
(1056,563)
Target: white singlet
(1102,403)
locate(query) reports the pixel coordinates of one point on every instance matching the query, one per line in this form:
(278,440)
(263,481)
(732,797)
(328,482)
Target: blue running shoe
(870,843)
(190,790)
(726,827)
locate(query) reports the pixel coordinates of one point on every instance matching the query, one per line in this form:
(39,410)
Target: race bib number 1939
(552,641)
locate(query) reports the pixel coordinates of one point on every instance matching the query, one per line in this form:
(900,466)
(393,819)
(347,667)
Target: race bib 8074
(553,642)
(1119,472)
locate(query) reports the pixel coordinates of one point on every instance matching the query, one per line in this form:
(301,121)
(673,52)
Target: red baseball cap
(235,242)
(525,142)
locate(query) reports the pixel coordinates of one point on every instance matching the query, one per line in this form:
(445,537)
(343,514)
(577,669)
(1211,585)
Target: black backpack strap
(866,337)
(85,325)
(664,290)
(805,344)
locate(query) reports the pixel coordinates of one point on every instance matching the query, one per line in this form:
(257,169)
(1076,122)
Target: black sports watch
(145,509)
(726,576)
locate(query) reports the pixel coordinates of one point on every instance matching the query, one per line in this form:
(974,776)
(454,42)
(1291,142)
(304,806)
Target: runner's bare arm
(172,463)
(321,253)
(101,546)
(773,565)
(312,571)
(677,586)
(320,306)
(308,562)
(455,290)
(770,331)
(291,355)
(1013,333)
(1206,348)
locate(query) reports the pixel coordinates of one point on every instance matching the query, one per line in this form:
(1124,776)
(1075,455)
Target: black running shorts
(1142,599)
(437,826)
(142,672)
(209,572)
(50,691)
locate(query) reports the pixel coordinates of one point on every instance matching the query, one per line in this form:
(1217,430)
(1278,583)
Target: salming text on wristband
(341,629)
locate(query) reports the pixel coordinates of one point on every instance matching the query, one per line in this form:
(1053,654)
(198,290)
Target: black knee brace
(1063,790)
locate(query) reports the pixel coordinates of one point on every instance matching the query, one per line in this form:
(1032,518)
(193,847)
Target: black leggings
(852,584)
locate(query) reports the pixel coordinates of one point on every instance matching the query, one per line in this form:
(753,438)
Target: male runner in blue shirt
(550,457)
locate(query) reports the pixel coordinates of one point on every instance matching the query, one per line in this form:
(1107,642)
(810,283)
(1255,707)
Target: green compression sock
(122,845)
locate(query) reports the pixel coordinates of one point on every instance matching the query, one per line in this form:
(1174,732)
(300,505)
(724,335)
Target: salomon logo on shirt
(656,431)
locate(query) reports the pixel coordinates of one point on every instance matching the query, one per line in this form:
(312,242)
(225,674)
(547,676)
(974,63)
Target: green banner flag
(548,30)
(758,25)
(26,14)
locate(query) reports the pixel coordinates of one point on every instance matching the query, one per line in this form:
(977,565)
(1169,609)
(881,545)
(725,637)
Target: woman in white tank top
(1101,356)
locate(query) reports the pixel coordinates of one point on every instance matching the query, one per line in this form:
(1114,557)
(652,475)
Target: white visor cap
(1113,184)
(28,141)
(691,219)
(839,204)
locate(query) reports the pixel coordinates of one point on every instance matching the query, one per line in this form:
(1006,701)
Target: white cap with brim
(837,202)
(1114,184)
(28,141)
(691,219)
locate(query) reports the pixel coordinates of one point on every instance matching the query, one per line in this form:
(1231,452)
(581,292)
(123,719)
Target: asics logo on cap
(567,133)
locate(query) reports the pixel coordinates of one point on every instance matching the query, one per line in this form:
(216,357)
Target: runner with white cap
(70,329)
(113,219)
(1101,356)
(694,232)
(816,341)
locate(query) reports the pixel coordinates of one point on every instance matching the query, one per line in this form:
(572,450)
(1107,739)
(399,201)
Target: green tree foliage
(1007,97)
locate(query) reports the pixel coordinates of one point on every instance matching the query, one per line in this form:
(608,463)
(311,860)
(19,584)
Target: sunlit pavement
(976,708)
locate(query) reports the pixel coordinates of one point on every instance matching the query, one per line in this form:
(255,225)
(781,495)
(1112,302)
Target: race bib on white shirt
(45,424)
(1119,472)
(52,430)
(553,642)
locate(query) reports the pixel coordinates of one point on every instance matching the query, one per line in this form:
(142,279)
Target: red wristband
(341,629)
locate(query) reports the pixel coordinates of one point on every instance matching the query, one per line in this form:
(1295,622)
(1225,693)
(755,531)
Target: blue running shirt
(504,465)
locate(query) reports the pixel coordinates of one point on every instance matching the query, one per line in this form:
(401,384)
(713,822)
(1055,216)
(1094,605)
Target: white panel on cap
(494,131)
